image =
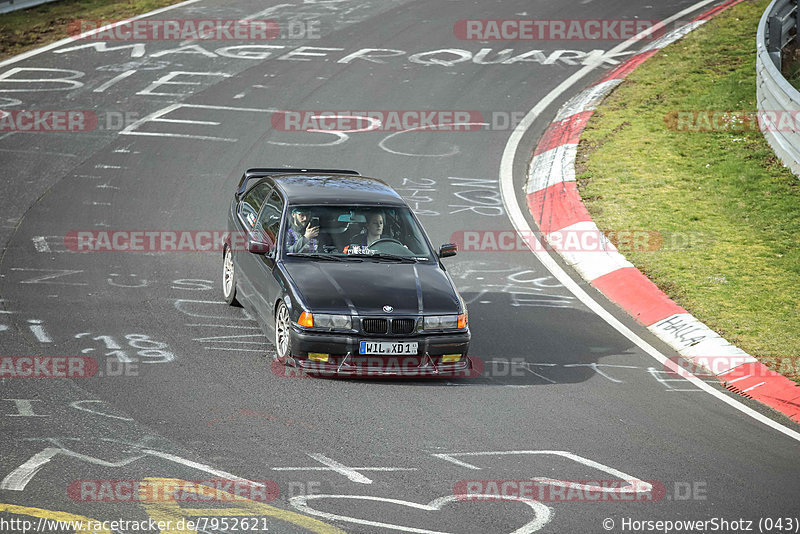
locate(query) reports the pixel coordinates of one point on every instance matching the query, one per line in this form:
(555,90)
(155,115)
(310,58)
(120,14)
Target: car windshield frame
(343,234)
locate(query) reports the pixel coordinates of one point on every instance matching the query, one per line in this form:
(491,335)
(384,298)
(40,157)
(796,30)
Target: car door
(266,285)
(247,214)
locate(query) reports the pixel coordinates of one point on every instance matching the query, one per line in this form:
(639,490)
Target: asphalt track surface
(556,376)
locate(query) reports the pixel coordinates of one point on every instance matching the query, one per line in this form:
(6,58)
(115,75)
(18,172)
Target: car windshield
(381,233)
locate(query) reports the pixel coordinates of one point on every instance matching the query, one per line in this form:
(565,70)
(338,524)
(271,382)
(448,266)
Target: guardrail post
(797,22)
(774,39)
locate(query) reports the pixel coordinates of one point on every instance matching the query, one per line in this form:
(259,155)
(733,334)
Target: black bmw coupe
(342,277)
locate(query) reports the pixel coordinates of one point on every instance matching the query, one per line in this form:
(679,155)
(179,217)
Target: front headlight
(444,322)
(333,322)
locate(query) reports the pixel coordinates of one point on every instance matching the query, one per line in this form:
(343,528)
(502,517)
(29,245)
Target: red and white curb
(557,208)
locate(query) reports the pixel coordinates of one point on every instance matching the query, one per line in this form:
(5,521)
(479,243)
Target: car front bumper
(344,358)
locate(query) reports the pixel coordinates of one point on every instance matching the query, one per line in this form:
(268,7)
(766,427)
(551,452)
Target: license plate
(388,348)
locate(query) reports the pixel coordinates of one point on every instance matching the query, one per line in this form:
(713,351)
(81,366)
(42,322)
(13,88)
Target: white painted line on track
(200,467)
(520,223)
(19,478)
(68,40)
(596,368)
(42,152)
(78,405)
(237,350)
(753,387)
(114,80)
(22,475)
(352,473)
(673,36)
(226,326)
(187,121)
(740,378)
(300,502)
(353,476)
(131,129)
(353,468)
(36,327)
(634,484)
(666,381)
(226,339)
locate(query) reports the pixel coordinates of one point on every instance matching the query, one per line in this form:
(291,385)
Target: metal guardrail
(774,95)
(6,6)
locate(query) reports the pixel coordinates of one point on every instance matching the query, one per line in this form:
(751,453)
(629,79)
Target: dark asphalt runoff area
(186,387)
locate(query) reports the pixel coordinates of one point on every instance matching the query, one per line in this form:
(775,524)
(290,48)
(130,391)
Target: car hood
(368,286)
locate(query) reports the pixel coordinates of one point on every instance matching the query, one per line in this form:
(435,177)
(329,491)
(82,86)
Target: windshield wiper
(394,257)
(315,255)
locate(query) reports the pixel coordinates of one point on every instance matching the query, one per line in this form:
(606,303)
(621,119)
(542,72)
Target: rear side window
(252,202)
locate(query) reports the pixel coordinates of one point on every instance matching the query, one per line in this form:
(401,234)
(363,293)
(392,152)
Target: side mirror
(255,245)
(447,250)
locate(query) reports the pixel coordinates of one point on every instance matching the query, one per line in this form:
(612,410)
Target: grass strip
(30,28)
(728,210)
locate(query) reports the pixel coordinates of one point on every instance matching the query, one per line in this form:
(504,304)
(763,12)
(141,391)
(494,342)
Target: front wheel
(283,333)
(229,278)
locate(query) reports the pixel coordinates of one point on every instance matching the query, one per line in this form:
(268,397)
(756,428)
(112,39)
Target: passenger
(301,236)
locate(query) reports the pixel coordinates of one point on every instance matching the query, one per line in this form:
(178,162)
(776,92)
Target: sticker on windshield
(358,249)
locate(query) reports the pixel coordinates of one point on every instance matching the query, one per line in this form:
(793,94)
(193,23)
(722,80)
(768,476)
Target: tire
(283,335)
(229,278)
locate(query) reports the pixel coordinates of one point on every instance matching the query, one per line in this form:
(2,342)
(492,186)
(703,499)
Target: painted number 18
(149,350)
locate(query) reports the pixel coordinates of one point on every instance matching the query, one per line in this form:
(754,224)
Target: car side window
(270,219)
(252,202)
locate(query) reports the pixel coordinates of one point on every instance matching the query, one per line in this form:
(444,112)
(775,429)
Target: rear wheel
(283,333)
(229,278)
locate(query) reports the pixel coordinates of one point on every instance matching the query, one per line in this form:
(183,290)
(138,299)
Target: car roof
(336,189)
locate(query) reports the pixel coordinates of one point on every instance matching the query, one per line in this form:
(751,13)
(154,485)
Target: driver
(374,228)
(301,236)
